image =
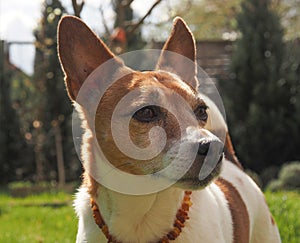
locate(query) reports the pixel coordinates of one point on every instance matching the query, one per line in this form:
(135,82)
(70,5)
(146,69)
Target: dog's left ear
(181,41)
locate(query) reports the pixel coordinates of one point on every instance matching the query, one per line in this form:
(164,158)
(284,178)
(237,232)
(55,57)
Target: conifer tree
(11,140)
(259,109)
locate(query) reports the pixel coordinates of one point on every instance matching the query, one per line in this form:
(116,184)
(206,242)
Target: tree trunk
(59,154)
(77,7)
(40,159)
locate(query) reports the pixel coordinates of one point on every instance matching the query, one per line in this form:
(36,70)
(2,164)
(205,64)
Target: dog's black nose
(215,145)
(203,148)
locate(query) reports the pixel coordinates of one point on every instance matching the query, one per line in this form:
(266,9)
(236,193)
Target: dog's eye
(147,114)
(201,113)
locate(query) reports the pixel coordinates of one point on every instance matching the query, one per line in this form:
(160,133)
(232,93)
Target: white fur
(146,218)
(141,219)
(261,229)
(215,121)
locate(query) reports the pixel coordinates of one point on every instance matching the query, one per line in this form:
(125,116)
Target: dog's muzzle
(207,163)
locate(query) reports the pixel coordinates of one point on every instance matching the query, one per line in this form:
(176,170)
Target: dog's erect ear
(181,41)
(80,52)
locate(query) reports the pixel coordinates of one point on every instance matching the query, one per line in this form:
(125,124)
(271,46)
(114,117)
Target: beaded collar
(181,217)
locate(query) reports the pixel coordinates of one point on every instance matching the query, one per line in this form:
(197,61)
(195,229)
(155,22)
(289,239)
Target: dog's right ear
(80,52)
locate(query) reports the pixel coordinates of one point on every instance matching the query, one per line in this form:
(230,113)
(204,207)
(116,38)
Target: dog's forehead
(162,83)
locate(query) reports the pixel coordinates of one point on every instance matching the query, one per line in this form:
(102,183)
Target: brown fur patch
(230,153)
(139,132)
(238,209)
(272,220)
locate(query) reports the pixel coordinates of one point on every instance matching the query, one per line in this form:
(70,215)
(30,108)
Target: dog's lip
(220,159)
(213,172)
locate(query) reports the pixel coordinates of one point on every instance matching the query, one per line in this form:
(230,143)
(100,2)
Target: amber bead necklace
(180,219)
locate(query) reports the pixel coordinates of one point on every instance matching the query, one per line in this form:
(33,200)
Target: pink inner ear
(181,42)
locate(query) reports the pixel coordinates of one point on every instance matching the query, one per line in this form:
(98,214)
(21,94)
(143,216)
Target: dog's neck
(145,218)
(132,218)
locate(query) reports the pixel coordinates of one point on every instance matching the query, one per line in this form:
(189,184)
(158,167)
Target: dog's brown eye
(201,113)
(147,114)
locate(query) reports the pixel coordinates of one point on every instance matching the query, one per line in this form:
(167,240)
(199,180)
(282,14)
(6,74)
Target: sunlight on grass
(39,218)
(285,208)
(49,217)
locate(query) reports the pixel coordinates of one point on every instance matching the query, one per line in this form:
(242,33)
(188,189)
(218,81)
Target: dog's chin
(188,182)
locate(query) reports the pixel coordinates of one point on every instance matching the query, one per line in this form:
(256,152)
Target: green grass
(50,217)
(285,207)
(41,218)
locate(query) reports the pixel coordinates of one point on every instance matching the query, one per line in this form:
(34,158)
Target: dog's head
(146,122)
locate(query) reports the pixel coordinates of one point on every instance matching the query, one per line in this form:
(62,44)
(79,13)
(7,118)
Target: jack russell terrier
(225,205)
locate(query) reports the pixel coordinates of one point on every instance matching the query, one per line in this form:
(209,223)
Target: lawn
(40,218)
(285,207)
(50,217)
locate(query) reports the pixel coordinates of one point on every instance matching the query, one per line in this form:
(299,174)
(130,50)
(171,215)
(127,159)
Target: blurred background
(250,48)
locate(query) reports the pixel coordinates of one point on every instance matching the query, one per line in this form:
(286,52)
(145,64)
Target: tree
(126,34)
(213,19)
(259,109)
(77,7)
(11,140)
(52,131)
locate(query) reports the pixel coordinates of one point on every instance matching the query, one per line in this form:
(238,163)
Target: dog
(224,206)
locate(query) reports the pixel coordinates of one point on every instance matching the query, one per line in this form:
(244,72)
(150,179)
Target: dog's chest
(209,220)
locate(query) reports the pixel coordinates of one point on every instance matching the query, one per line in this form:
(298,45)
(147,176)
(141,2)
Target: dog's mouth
(191,179)
(198,161)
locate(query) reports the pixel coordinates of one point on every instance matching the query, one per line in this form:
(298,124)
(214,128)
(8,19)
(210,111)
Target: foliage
(289,174)
(290,18)
(12,142)
(288,178)
(216,19)
(269,174)
(27,188)
(261,112)
(213,19)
